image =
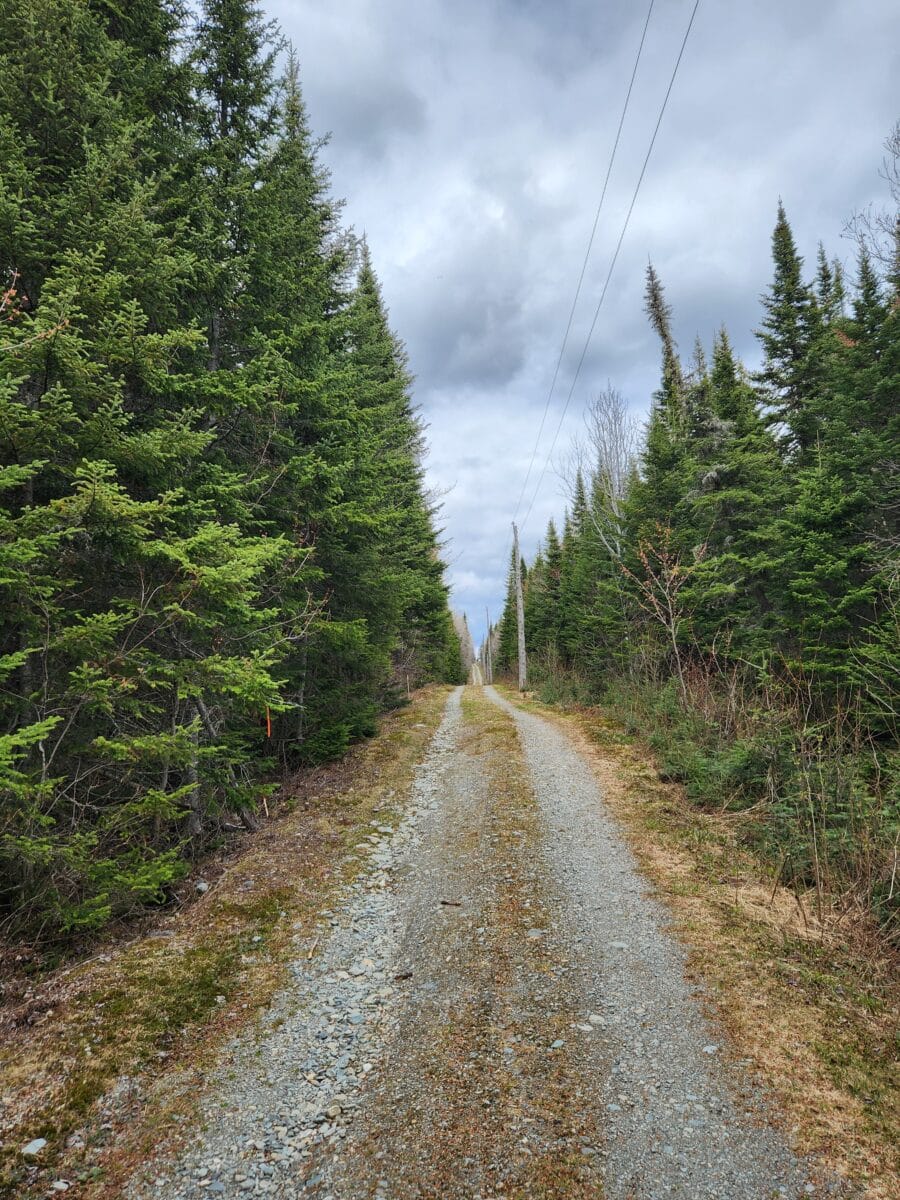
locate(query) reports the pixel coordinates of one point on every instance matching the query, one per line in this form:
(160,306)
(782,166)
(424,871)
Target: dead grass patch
(542,1099)
(456,1115)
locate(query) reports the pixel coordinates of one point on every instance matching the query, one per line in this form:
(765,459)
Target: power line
(587,254)
(612,265)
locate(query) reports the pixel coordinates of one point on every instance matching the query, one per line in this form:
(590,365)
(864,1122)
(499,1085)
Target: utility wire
(587,254)
(615,257)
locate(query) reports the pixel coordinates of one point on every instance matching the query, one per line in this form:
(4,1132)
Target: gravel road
(496,1009)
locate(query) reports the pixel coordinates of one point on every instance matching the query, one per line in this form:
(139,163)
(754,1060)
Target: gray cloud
(374,114)
(470,142)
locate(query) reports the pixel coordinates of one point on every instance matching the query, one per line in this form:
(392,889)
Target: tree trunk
(195,824)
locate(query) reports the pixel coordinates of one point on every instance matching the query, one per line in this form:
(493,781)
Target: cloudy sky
(470,141)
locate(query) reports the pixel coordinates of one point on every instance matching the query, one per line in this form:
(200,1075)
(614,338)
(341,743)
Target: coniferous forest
(218,557)
(725,579)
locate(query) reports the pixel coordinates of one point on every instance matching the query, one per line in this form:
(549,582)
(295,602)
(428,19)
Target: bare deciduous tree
(606,458)
(877,230)
(466,646)
(659,591)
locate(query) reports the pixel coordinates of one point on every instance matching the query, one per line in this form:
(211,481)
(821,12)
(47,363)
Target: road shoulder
(812,1011)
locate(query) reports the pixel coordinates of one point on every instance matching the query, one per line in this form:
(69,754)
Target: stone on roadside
(34,1147)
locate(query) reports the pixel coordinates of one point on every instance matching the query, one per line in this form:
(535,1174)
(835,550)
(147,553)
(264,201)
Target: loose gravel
(495,1001)
(278,1101)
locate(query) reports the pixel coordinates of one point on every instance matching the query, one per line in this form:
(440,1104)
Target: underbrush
(822,800)
(556,683)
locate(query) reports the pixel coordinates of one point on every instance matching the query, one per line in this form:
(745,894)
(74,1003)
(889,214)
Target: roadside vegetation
(726,583)
(106,1057)
(218,559)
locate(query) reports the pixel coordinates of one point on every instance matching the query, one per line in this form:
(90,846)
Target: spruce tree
(669,399)
(737,500)
(790,333)
(234,56)
(576,576)
(507,643)
(130,578)
(186,390)
(660,484)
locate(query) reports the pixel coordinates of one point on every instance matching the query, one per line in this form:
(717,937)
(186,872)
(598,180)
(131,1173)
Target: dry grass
(812,1005)
(103,1058)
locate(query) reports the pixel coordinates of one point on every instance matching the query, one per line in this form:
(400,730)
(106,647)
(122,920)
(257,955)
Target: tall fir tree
(790,334)
(184,397)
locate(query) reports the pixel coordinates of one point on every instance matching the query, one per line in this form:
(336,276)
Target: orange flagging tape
(268,722)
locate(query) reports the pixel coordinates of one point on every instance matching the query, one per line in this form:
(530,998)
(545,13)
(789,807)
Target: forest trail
(496,1009)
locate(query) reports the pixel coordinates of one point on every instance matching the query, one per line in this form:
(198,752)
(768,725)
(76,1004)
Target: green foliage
(507,647)
(216,550)
(738,603)
(791,335)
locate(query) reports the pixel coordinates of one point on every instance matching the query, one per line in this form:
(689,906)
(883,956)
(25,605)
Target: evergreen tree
(542,608)
(658,489)
(829,287)
(670,396)
(507,643)
(737,501)
(576,576)
(234,57)
(188,385)
(790,334)
(130,581)
(741,601)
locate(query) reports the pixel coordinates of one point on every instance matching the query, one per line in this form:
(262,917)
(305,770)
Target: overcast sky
(470,141)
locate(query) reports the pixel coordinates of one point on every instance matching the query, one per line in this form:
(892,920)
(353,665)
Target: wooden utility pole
(488,655)
(520,611)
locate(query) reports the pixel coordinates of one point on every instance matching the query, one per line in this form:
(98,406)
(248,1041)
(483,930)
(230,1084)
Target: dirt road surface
(496,1009)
